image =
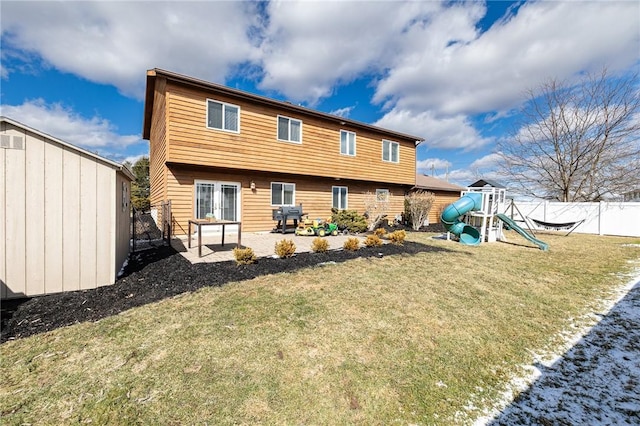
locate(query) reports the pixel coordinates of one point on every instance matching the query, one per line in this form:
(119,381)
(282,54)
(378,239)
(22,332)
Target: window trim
(293,199)
(391,144)
(354,143)
(224,104)
(346,197)
(288,129)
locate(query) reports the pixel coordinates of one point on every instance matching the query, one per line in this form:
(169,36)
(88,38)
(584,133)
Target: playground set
(478,216)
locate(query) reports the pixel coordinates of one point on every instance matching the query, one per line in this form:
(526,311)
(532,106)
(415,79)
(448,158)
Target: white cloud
(489,161)
(116,42)
(490,71)
(94,134)
(342,112)
(132,159)
(432,164)
(455,132)
(462,177)
(309,47)
(426,55)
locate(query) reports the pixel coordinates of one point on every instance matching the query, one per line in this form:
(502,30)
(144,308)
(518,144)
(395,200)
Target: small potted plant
(210,217)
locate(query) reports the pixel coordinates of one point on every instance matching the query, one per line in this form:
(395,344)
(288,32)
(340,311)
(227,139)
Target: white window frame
(347,132)
(224,108)
(383,194)
(293,197)
(391,145)
(288,129)
(346,197)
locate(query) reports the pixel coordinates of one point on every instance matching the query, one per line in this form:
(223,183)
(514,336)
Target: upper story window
(223,116)
(289,129)
(283,194)
(390,151)
(339,196)
(347,143)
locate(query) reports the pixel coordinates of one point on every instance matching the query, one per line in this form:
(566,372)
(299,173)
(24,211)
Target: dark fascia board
(250,97)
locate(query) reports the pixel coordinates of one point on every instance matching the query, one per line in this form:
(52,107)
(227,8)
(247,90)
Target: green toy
(317,227)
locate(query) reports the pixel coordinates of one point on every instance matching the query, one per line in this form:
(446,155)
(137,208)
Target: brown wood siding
(443,199)
(314,194)
(256,146)
(158,147)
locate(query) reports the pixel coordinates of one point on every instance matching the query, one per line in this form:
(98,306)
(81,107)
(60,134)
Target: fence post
(169,221)
(133,228)
(600,232)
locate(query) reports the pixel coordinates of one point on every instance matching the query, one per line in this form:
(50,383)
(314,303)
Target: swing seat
(571,226)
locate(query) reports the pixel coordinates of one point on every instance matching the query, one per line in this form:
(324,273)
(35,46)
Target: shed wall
(58,218)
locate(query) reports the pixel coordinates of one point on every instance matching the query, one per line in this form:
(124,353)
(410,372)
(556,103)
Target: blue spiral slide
(450,218)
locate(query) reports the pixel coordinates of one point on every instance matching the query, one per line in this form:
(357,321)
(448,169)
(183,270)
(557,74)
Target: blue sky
(453,73)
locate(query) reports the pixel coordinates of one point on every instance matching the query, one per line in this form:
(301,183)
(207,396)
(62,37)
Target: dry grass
(402,339)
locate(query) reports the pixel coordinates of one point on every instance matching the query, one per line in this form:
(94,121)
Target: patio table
(199,223)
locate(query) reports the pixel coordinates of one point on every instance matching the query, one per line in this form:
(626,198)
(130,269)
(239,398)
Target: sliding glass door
(221,199)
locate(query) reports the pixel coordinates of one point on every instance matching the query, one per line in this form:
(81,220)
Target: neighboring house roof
(484,182)
(120,167)
(430,182)
(250,97)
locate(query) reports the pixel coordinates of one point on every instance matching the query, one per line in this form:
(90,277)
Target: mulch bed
(157,274)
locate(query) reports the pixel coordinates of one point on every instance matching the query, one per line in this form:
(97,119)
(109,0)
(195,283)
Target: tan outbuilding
(64,214)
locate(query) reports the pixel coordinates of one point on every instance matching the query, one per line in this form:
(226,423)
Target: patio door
(222,199)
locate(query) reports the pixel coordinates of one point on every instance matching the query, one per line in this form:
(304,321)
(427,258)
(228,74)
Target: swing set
(551,226)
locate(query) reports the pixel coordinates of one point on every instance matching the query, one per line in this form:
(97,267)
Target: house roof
(250,97)
(430,182)
(484,182)
(120,167)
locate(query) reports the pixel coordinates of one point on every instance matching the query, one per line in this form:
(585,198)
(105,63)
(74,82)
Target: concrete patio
(262,243)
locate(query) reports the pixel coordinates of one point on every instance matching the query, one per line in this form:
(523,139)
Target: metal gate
(152,228)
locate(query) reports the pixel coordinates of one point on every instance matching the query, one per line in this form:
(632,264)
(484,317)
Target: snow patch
(593,375)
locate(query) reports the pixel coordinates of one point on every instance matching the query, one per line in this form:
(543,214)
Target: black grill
(285,213)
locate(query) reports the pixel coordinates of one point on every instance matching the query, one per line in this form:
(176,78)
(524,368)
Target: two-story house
(214,149)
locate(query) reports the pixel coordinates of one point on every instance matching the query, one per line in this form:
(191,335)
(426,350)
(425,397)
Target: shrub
(285,248)
(417,206)
(397,237)
(244,256)
(319,245)
(372,241)
(351,244)
(380,232)
(350,220)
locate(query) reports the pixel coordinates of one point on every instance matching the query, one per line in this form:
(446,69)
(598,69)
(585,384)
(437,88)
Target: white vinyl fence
(603,218)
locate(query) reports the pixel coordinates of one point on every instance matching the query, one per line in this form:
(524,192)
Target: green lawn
(397,340)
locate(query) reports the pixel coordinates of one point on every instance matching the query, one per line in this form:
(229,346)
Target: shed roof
(484,182)
(430,182)
(117,166)
(250,97)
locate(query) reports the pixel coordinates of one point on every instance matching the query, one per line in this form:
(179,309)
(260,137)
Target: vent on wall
(18,142)
(5,142)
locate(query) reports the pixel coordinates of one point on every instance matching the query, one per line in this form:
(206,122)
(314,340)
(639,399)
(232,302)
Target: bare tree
(577,143)
(418,204)
(376,206)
